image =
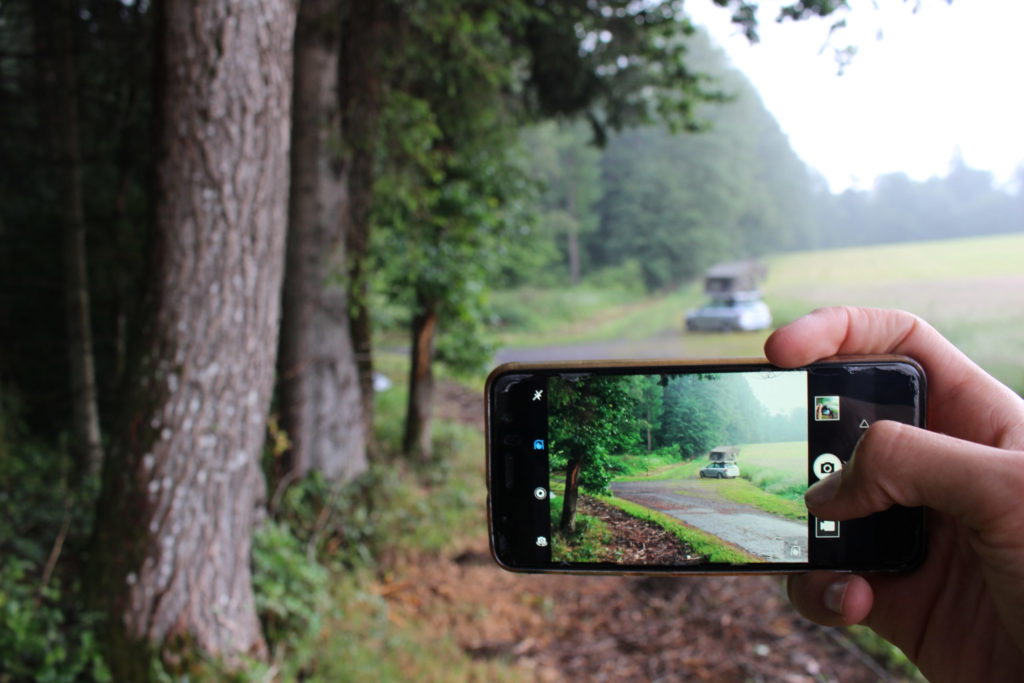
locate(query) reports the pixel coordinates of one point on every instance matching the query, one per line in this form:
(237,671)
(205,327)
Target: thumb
(896,464)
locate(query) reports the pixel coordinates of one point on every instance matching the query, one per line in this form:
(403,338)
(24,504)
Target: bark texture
(365,37)
(180,502)
(571,495)
(321,404)
(417,441)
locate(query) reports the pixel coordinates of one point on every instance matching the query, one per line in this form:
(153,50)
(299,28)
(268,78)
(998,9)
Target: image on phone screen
(672,448)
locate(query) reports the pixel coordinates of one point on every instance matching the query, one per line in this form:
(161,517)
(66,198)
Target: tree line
(201,205)
(660,208)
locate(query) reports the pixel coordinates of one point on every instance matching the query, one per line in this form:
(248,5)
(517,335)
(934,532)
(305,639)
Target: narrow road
(700,504)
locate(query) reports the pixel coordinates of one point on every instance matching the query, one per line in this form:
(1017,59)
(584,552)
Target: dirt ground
(615,628)
(562,628)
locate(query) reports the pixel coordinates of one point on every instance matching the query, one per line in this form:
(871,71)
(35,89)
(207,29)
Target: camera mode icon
(825,464)
(826,528)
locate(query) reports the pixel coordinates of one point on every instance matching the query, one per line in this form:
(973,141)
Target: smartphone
(690,467)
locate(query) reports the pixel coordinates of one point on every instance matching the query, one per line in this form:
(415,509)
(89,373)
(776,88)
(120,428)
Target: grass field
(972,290)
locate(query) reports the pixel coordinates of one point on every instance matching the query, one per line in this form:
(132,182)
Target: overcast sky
(922,86)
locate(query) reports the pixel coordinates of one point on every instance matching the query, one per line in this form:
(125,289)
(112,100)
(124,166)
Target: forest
(219,218)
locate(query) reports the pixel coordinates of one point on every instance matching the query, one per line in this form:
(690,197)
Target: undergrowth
(319,561)
(45,632)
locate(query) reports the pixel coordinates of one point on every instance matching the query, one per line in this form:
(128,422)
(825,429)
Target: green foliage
(628,466)
(671,203)
(592,417)
(447,189)
(965,203)
(290,586)
(775,482)
(881,649)
(701,412)
(45,633)
(591,542)
(327,541)
(40,638)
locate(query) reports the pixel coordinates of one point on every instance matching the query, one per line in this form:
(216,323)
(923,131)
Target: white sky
(922,85)
(779,392)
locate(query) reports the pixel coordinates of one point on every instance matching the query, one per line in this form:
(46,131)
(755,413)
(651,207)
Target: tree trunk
(55,42)
(417,441)
(183,493)
(321,405)
(573,237)
(573,240)
(363,42)
(572,495)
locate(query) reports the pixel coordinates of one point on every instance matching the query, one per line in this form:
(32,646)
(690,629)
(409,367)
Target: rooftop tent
(724,454)
(734,279)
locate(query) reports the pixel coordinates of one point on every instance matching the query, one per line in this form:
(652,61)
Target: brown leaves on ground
(598,628)
(639,541)
(615,628)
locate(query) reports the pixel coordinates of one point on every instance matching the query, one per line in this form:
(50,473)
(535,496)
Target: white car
(720,470)
(730,316)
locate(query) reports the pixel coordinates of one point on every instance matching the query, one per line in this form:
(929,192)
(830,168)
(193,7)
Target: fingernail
(834,595)
(823,491)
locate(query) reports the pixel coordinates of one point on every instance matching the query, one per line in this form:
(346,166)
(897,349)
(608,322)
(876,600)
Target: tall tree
(321,404)
(183,485)
(368,28)
(56,53)
(563,160)
(591,418)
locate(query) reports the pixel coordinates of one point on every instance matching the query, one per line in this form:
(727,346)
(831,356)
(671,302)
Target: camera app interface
(677,469)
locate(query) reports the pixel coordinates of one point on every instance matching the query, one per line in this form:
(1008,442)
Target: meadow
(971,290)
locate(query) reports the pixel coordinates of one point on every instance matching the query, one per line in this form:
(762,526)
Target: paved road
(699,503)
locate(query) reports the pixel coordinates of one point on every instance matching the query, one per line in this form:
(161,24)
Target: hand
(960,616)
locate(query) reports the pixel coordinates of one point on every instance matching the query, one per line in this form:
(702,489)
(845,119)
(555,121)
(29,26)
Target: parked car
(720,470)
(729,316)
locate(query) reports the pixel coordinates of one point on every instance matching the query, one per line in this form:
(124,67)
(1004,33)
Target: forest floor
(596,628)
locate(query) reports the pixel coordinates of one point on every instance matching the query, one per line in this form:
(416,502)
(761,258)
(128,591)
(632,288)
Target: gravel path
(700,504)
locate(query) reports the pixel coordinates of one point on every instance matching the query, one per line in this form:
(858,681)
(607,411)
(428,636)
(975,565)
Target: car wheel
(702,475)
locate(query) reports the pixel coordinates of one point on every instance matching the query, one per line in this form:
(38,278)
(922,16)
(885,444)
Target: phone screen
(689,468)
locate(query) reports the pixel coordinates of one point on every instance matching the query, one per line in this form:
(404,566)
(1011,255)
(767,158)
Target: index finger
(963,399)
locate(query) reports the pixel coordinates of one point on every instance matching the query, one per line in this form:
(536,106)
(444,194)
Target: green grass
(642,466)
(971,290)
(703,543)
(362,640)
(743,491)
(582,315)
(773,477)
(677,470)
(776,468)
(592,541)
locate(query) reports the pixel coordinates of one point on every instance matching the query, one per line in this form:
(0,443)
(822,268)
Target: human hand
(960,616)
